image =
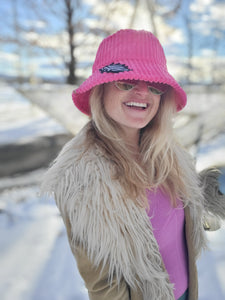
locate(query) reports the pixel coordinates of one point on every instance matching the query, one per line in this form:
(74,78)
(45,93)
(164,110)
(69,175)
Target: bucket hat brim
(133,70)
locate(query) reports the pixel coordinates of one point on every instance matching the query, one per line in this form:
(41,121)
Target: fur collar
(112,229)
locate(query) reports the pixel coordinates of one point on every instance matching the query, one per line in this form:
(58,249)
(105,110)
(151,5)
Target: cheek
(109,102)
(156,105)
(153,112)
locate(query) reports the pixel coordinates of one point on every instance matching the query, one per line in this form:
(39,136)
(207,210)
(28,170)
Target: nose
(141,88)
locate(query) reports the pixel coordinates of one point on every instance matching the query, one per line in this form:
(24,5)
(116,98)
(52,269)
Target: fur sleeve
(214,200)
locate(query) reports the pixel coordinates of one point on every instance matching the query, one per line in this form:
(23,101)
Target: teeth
(144,105)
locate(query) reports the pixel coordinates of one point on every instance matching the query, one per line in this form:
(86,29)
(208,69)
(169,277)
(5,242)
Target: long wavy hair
(161,161)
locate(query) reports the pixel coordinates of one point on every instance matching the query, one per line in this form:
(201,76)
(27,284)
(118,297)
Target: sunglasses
(127,86)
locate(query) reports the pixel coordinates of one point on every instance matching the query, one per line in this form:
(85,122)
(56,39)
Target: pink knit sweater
(168,229)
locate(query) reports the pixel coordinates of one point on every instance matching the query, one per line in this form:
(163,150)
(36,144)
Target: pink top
(168,229)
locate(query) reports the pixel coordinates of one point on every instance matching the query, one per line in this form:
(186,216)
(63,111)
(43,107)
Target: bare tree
(190,41)
(171,8)
(59,40)
(134,14)
(154,7)
(205,32)
(152,12)
(16,29)
(67,12)
(55,40)
(69,5)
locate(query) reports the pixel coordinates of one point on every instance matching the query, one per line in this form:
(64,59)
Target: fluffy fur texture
(214,200)
(112,228)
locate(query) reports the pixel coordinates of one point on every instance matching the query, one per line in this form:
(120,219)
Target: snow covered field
(35,259)
(36,262)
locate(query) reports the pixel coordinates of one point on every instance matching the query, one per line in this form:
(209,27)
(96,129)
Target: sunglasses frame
(132,85)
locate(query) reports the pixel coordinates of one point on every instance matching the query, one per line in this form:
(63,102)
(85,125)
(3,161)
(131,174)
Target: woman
(127,191)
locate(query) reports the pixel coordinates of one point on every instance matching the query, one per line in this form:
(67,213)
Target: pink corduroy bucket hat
(128,54)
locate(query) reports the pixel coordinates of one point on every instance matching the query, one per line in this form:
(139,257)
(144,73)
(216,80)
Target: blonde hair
(162,161)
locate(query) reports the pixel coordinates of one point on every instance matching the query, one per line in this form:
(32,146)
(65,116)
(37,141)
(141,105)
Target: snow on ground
(20,120)
(216,148)
(36,262)
(211,267)
(35,258)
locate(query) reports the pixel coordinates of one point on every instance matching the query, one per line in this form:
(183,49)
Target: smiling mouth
(137,105)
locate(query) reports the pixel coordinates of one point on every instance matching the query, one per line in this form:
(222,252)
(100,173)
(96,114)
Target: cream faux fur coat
(111,237)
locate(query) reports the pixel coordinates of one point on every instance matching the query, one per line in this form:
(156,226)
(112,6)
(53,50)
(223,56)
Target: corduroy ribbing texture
(128,54)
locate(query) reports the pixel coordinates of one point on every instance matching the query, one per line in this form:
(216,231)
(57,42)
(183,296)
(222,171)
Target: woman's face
(132,104)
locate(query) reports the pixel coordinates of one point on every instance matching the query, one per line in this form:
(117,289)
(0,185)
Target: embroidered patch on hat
(115,68)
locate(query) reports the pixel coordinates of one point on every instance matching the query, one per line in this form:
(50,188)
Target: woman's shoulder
(79,150)
(78,160)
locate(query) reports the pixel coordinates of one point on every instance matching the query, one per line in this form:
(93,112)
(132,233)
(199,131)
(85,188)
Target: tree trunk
(71,78)
(151,10)
(189,49)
